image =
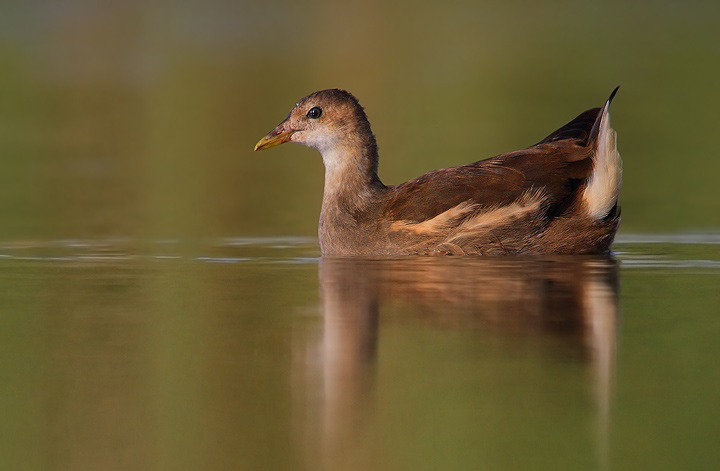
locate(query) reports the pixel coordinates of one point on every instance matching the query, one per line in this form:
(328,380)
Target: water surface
(257,354)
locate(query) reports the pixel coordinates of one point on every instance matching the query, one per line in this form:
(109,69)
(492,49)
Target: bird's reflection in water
(572,298)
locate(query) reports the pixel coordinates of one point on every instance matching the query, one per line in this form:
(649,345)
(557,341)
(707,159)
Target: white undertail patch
(603,188)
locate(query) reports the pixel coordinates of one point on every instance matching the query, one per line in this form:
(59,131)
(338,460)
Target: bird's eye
(314,112)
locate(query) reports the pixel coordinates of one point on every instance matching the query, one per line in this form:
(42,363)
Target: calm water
(256,354)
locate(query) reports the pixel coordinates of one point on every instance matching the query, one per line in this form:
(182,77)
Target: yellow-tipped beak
(276,137)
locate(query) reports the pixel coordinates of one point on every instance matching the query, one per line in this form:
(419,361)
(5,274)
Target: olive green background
(138,119)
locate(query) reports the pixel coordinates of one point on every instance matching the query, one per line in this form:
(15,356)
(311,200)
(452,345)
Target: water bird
(558,196)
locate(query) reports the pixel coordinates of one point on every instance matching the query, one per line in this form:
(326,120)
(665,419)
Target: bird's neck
(351,167)
(351,188)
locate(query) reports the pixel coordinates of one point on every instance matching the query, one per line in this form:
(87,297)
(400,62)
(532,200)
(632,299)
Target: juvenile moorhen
(558,196)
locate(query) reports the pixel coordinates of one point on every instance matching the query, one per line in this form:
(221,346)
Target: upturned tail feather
(601,193)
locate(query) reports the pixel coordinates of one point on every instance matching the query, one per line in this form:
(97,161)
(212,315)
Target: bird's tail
(603,187)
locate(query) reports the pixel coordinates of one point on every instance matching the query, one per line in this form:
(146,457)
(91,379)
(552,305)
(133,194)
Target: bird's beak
(277,136)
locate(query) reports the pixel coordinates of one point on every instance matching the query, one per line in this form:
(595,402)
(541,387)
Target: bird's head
(322,120)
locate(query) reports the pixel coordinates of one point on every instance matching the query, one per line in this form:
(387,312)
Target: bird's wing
(555,167)
(485,182)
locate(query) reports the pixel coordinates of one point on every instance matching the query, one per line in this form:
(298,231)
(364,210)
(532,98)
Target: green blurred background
(138,119)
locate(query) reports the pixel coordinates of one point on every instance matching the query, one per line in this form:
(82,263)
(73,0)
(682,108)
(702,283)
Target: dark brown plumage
(556,197)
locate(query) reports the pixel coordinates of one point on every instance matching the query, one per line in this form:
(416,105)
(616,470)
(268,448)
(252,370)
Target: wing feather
(552,168)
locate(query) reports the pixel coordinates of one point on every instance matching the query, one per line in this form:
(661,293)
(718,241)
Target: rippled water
(254,353)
